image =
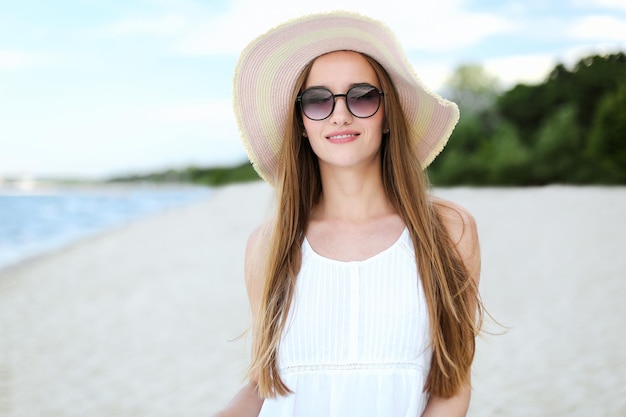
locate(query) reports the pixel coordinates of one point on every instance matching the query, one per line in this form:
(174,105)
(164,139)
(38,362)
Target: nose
(341,115)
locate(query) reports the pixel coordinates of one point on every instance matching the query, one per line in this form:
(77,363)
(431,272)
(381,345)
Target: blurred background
(123,89)
(112,111)
(106,108)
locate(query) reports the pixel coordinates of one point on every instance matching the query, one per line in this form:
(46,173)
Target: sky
(93,88)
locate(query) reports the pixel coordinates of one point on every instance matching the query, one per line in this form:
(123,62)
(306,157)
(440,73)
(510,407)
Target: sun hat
(269,66)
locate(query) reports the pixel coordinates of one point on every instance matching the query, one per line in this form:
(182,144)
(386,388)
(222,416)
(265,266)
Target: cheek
(379,122)
(309,126)
(383,117)
(309,133)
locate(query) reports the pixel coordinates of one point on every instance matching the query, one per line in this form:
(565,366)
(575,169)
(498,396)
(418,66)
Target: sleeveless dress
(357,339)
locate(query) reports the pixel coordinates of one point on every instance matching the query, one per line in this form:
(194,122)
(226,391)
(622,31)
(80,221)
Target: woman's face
(342,139)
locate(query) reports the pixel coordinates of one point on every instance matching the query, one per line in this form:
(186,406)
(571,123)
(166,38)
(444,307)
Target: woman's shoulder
(456,218)
(462,230)
(258,235)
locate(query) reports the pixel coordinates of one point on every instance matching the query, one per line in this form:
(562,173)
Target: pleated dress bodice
(357,338)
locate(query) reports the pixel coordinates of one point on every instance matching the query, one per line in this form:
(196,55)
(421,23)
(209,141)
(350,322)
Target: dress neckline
(404,235)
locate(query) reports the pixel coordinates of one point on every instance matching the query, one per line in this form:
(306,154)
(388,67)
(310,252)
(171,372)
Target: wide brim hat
(267,70)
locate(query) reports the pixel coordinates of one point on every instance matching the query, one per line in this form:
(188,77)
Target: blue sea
(36,221)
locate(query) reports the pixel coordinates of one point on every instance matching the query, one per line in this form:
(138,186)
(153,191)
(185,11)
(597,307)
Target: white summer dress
(357,339)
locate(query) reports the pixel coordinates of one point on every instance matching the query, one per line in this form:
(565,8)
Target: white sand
(137,322)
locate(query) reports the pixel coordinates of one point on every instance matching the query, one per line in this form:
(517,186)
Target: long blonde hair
(455,312)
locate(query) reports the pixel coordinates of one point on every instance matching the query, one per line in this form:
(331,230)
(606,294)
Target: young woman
(363,287)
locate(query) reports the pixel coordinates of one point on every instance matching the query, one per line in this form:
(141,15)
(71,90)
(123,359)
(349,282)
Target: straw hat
(268,67)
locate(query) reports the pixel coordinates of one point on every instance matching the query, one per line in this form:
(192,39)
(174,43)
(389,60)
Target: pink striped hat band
(267,70)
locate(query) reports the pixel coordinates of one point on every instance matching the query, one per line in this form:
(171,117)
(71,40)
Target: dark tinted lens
(363,100)
(317,103)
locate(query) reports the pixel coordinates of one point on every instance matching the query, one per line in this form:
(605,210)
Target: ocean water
(36,221)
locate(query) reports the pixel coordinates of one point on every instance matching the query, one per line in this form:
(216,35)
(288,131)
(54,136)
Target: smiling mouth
(346,136)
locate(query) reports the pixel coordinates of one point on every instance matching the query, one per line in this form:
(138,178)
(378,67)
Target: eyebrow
(349,87)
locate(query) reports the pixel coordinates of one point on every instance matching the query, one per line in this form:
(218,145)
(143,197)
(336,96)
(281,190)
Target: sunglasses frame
(334,96)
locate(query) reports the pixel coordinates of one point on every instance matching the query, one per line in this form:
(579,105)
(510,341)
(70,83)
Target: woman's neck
(352,196)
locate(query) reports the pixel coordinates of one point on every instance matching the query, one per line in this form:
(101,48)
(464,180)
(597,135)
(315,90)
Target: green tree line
(569,129)
(215,176)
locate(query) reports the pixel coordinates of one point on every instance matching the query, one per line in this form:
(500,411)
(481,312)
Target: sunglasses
(362,100)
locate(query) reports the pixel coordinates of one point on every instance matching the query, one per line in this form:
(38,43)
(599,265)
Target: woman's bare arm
(449,407)
(247,402)
(462,229)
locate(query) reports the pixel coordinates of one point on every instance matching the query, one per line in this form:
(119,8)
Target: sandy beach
(150,319)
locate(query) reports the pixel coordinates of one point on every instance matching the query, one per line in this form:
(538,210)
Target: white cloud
(443,25)
(202,111)
(13,59)
(433,74)
(155,25)
(75,138)
(615,4)
(529,69)
(599,28)
(448,30)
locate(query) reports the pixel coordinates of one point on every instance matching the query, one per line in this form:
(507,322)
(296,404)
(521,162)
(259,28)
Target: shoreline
(151,319)
(50,217)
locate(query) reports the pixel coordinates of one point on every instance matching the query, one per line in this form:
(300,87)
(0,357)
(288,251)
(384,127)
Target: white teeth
(340,136)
